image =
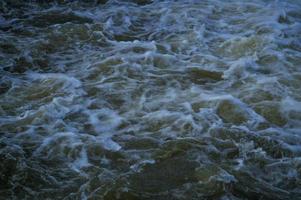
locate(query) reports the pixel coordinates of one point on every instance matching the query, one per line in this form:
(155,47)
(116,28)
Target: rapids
(150,99)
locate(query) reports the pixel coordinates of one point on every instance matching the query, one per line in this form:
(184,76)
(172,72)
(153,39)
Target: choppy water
(141,99)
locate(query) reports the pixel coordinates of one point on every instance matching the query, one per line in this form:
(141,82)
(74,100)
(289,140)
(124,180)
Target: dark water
(142,99)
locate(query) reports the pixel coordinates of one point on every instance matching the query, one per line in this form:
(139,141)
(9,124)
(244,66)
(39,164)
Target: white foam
(289,104)
(104,120)
(71,81)
(81,161)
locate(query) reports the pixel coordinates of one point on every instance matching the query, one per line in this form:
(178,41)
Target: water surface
(150,99)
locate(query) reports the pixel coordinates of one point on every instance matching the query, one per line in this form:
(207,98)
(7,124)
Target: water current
(150,99)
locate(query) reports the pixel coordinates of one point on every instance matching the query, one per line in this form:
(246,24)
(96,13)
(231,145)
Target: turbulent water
(141,99)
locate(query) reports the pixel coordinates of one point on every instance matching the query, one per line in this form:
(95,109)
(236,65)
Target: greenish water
(170,100)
